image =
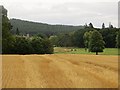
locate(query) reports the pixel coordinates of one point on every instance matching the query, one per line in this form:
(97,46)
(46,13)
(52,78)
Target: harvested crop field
(59,71)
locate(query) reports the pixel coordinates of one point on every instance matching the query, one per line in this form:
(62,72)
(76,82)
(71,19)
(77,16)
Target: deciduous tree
(96,43)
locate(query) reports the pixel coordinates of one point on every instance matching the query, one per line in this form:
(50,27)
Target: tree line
(76,38)
(34,45)
(34,28)
(16,44)
(90,38)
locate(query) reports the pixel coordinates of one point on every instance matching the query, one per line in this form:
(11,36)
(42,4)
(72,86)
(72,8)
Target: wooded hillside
(35,28)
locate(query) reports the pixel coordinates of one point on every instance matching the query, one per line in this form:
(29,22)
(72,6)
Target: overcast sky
(70,12)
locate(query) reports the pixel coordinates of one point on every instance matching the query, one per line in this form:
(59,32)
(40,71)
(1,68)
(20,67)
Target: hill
(35,27)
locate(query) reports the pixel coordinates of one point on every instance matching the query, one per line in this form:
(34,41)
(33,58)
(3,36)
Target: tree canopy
(34,28)
(7,38)
(12,44)
(96,43)
(42,37)
(118,39)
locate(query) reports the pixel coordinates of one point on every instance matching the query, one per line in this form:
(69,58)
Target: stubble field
(59,71)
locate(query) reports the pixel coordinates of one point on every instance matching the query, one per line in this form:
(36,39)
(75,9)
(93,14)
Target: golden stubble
(60,71)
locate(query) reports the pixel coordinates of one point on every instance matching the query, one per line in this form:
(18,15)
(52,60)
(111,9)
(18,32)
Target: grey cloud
(75,13)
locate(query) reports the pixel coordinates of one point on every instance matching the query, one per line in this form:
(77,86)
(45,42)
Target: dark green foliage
(42,46)
(7,39)
(6,26)
(22,46)
(37,44)
(109,36)
(118,39)
(17,32)
(41,35)
(64,40)
(78,39)
(48,46)
(34,45)
(62,31)
(96,43)
(35,28)
(54,40)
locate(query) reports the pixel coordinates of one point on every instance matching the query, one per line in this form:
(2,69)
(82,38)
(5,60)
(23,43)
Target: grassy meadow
(71,50)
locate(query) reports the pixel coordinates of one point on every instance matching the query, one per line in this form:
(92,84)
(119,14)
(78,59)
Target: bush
(35,45)
(22,46)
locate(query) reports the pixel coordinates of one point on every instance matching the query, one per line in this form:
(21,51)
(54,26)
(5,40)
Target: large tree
(96,43)
(7,39)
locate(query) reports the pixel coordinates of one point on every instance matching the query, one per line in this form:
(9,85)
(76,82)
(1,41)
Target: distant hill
(35,27)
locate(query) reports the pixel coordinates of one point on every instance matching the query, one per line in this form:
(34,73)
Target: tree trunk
(96,53)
